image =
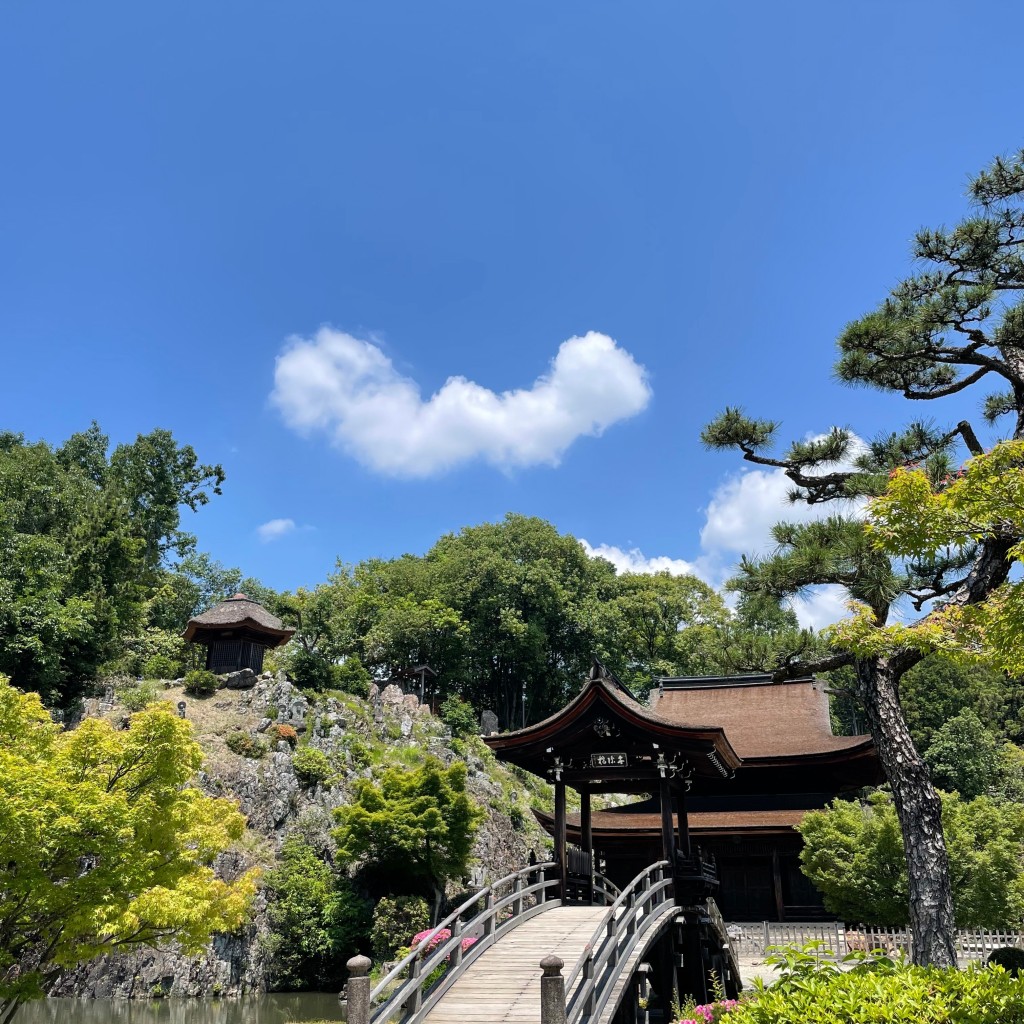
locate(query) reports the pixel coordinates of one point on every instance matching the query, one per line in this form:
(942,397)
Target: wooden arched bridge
(609,956)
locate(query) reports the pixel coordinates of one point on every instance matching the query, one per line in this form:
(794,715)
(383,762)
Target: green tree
(943,330)
(657,624)
(317,920)
(414,827)
(963,756)
(103,844)
(83,541)
(854,854)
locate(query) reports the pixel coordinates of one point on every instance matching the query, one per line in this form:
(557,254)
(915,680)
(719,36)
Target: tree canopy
(853,853)
(84,538)
(413,824)
(104,845)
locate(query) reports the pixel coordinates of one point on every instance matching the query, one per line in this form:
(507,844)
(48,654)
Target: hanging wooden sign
(609,760)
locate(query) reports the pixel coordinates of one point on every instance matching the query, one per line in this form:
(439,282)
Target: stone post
(552,991)
(358,990)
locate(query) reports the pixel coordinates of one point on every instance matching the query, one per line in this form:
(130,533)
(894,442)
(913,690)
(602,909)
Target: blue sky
(281,230)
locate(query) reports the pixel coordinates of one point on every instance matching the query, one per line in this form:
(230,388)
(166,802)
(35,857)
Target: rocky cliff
(356,735)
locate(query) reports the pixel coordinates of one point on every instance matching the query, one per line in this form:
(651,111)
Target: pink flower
(467,942)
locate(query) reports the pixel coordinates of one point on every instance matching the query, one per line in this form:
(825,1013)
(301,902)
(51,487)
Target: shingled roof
(237,612)
(761,717)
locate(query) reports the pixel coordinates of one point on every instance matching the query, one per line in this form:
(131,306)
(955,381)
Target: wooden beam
(780,905)
(667,836)
(587,838)
(682,821)
(560,858)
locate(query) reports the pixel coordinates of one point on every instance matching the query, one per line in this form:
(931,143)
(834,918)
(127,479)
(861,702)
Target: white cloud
(274,529)
(634,560)
(738,521)
(349,389)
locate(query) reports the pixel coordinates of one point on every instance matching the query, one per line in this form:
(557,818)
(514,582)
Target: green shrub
(201,683)
(317,920)
(310,670)
(160,666)
(312,766)
(394,920)
(879,990)
(352,677)
(358,752)
(243,744)
(459,716)
(135,698)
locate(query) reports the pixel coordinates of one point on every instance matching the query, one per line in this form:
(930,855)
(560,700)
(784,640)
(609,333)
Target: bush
(160,666)
(1010,958)
(201,683)
(459,716)
(317,920)
(283,732)
(879,990)
(352,677)
(394,920)
(310,670)
(135,698)
(312,766)
(243,744)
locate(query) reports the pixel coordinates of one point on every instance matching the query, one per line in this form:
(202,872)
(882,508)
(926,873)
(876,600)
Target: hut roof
(761,717)
(237,612)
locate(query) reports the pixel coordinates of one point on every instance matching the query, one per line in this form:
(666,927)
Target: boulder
(243,679)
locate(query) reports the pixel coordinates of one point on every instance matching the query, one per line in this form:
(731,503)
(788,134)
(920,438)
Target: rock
(374,694)
(411,702)
(264,725)
(392,696)
(488,723)
(243,679)
(406,726)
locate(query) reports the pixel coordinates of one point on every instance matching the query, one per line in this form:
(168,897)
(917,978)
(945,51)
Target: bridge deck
(504,983)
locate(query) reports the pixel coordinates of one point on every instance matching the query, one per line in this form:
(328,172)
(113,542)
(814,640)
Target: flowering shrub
(442,935)
(283,732)
(708,1013)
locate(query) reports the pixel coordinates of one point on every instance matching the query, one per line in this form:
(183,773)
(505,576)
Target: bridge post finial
(552,991)
(358,990)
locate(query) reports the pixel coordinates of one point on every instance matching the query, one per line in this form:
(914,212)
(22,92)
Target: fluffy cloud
(634,560)
(349,389)
(274,529)
(738,520)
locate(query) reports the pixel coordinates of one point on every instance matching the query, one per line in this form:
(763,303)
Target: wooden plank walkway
(503,984)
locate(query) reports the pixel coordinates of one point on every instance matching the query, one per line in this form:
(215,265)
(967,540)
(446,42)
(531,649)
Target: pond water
(279,1008)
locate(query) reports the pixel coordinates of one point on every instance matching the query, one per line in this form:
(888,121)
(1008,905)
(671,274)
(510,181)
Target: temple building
(726,768)
(236,634)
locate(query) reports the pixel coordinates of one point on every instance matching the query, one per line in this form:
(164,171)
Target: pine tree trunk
(920,815)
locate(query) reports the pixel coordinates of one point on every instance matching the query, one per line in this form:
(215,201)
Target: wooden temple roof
(766,721)
(604,719)
(241,613)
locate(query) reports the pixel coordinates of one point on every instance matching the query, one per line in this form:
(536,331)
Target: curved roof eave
(626,707)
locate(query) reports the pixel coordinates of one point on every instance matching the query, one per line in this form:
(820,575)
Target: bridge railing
(724,938)
(409,989)
(588,985)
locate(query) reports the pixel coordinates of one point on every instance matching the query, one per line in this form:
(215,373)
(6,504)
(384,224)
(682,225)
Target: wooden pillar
(587,838)
(682,822)
(560,856)
(667,838)
(780,905)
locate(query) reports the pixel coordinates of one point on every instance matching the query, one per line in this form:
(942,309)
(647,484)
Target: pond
(278,1008)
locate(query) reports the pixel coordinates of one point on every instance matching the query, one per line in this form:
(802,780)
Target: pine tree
(942,331)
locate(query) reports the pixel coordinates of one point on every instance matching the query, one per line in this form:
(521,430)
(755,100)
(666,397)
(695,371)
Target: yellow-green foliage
(899,994)
(103,844)
(915,518)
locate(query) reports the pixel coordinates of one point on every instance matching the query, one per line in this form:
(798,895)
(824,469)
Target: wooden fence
(752,938)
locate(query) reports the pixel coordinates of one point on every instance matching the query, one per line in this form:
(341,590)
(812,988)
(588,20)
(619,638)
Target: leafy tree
(526,594)
(943,330)
(658,625)
(352,677)
(963,756)
(415,827)
(317,920)
(103,845)
(83,539)
(854,854)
